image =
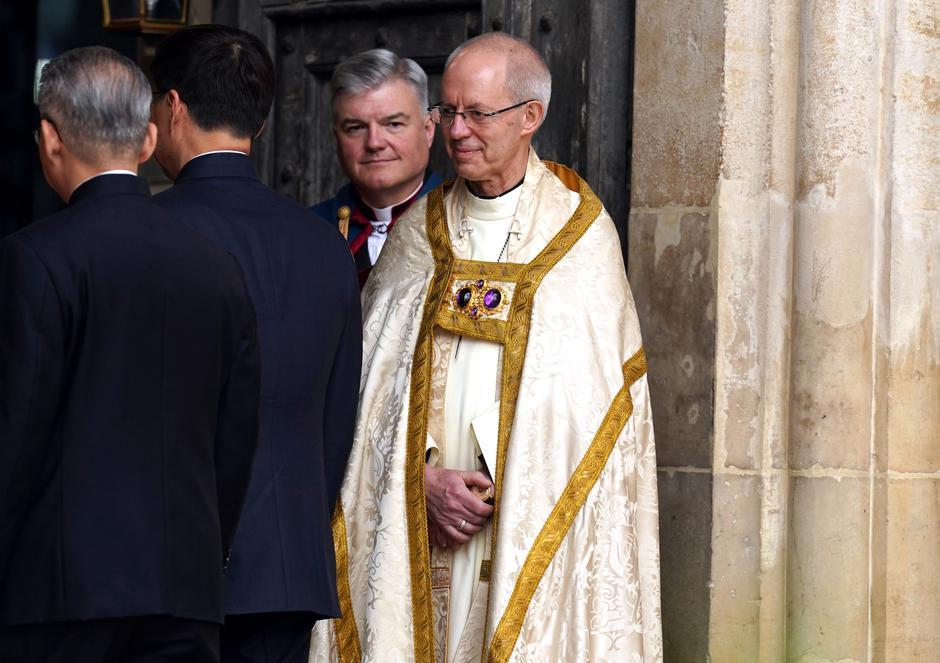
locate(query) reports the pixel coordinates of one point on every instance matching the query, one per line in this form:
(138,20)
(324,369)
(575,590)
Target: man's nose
(458,127)
(375,138)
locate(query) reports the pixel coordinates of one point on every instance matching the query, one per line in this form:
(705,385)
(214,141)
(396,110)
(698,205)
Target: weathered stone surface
(914,399)
(831,407)
(677,88)
(828,569)
(913,571)
(825,227)
(672,276)
(685,501)
(841,76)
(735,601)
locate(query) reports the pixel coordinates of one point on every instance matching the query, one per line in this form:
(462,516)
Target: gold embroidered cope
(510,326)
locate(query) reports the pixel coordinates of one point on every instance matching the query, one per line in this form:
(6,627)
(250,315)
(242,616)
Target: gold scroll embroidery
(569,504)
(347,635)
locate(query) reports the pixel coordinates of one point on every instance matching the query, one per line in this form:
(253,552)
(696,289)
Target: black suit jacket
(303,284)
(129,387)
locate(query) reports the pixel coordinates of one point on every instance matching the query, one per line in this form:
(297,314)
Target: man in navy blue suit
(214,87)
(129,391)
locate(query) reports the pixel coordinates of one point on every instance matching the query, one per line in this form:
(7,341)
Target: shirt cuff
(431,452)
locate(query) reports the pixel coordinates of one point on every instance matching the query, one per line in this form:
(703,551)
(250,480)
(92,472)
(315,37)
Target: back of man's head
(371,69)
(224,76)
(99,102)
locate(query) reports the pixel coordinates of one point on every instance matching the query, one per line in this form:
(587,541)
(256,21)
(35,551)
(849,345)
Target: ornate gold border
(472,270)
(418,546)
(485,328)
(569,504)
(347,634)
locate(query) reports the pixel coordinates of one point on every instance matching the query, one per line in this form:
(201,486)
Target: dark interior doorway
(588,46)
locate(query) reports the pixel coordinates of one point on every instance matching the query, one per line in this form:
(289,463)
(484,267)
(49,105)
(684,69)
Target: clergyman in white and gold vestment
(502,362)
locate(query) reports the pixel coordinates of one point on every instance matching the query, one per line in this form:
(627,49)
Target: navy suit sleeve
(238,417)
(342,395)
(32,372)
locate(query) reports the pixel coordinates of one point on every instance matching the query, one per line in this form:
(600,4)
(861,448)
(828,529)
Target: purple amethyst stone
(474,312)
(492,298)
(481,283)
(463,297)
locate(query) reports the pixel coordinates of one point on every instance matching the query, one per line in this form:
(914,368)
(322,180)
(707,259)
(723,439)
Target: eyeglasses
(474,117)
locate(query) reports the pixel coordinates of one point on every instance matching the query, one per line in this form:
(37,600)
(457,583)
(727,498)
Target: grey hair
(527,75)
(370,69)
(98,100)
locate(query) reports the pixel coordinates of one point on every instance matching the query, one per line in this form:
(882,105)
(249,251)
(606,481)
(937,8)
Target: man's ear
(429,128)
(532,118)
(176,106)
(150,143)
(51,143)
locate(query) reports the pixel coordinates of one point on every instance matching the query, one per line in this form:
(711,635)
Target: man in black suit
(129,393)
(215,85)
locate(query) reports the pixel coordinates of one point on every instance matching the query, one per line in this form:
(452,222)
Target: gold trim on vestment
(515,337)
(418,545)
(347,634)
(486,329)
(569,504)
(478,269)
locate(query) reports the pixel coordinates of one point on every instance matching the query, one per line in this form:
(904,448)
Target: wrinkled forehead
(476,77)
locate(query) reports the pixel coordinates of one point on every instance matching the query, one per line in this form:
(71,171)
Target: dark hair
(223,74)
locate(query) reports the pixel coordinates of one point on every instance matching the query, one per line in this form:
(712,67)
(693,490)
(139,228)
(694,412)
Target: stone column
(822,251)
(672,263)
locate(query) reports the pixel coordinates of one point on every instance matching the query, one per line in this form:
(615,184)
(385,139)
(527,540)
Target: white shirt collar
(116,171)
(219,152)
(384,214)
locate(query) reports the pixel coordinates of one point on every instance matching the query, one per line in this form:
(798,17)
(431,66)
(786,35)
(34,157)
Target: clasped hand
(450,504)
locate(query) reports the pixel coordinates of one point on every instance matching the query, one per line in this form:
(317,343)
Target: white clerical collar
(116,171)
(383,215)
(491,209)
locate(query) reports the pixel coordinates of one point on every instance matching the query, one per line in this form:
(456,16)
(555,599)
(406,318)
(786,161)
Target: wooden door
(307,40)
(588,45)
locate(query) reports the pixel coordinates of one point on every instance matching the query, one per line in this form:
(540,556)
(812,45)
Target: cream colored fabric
(598,599)
(472,390)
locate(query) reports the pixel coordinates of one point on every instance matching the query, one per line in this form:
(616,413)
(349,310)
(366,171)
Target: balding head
(493,97)
(527,76)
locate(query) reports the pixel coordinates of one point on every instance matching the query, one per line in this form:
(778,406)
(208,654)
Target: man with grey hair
(129,391)
(503,475)
(383,138)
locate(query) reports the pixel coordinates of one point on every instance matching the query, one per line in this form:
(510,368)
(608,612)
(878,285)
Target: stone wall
(672,267)
(784,248)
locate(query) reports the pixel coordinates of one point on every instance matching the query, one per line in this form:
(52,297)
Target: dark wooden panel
(587,45)
(310,39)
(588,48)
